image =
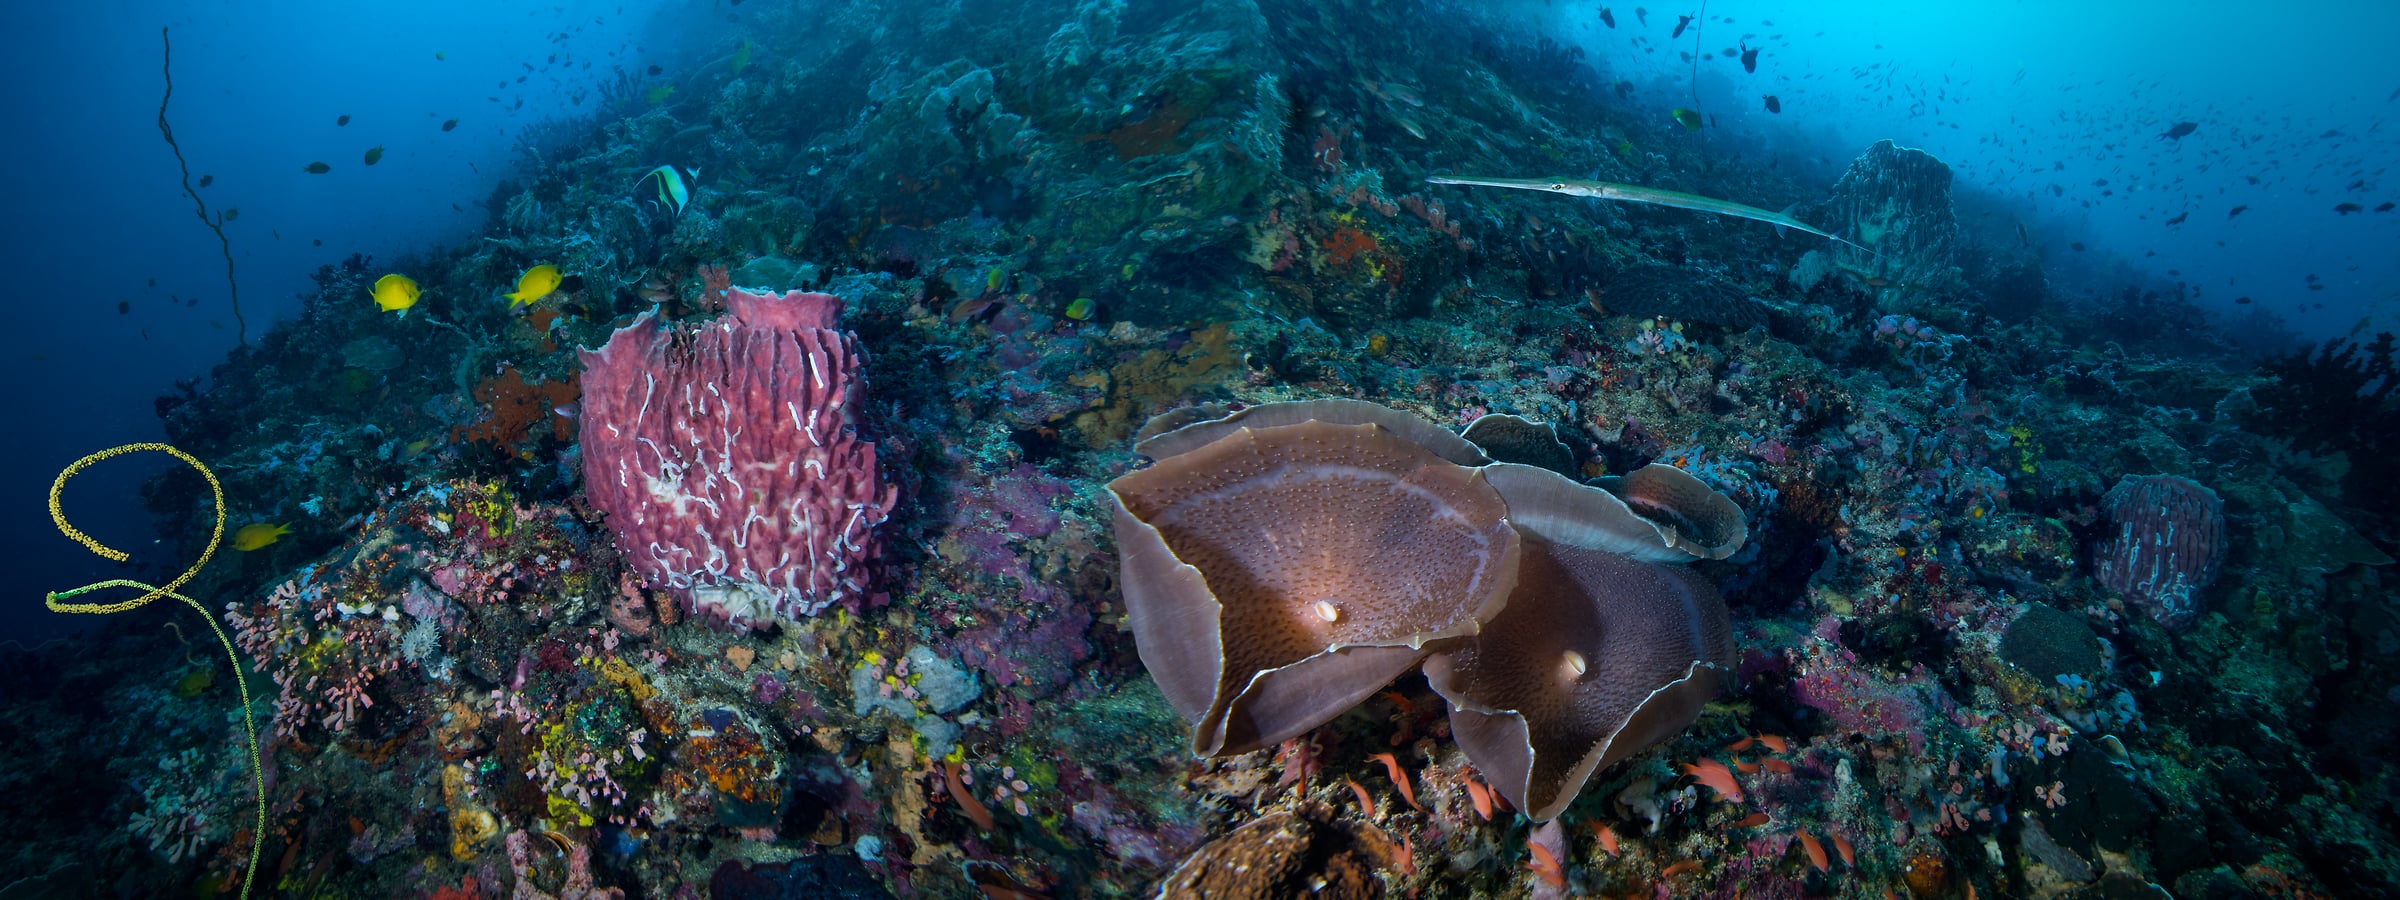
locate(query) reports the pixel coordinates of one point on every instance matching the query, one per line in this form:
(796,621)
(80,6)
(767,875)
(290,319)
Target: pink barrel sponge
(2169,544)
(726,461)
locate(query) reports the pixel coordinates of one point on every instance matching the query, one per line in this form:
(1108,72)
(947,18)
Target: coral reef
(1049,223)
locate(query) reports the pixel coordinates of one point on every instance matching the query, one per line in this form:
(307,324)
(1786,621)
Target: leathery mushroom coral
(1283,562)
(1596,657)
(1277,575)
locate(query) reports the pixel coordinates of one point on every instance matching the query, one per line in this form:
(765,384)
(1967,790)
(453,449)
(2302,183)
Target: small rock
(944,685)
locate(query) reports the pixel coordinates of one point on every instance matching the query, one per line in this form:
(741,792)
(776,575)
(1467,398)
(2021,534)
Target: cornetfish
(1609,190)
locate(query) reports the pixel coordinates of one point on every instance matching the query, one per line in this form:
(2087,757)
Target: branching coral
(337,633)
(2344,397)
(175,819)
(325,652)
(516,407)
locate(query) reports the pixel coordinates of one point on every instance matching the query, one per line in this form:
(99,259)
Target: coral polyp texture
(2168,545)
(727,460)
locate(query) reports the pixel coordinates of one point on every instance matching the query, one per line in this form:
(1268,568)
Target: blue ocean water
(261,90)
(2056,113)
(2043,490)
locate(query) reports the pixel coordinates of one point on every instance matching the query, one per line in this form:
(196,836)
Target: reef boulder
(1896,202)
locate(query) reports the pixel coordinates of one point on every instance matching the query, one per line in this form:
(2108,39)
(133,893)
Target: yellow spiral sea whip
(55,600)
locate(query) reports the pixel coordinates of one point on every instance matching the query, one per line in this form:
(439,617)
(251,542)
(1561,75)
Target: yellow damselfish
(536,283)
(252,537)
(395,293)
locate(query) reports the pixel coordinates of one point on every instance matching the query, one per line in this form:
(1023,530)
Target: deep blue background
(2305,97)
(97,210)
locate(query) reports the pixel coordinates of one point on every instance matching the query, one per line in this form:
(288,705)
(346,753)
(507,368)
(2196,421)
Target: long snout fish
(1609,190)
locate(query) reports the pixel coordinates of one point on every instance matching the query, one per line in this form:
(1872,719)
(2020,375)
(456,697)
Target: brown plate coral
(1597,657)
(1283,562)
(1277,576)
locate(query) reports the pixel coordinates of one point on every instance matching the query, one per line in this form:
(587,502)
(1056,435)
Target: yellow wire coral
(57,602)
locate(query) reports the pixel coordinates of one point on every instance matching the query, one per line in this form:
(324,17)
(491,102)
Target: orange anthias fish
(975,810)
(1607,836)
(1482,797)
(1546,865)
(1365,802)
(1816,852)
(1718,778)
(1399,776)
